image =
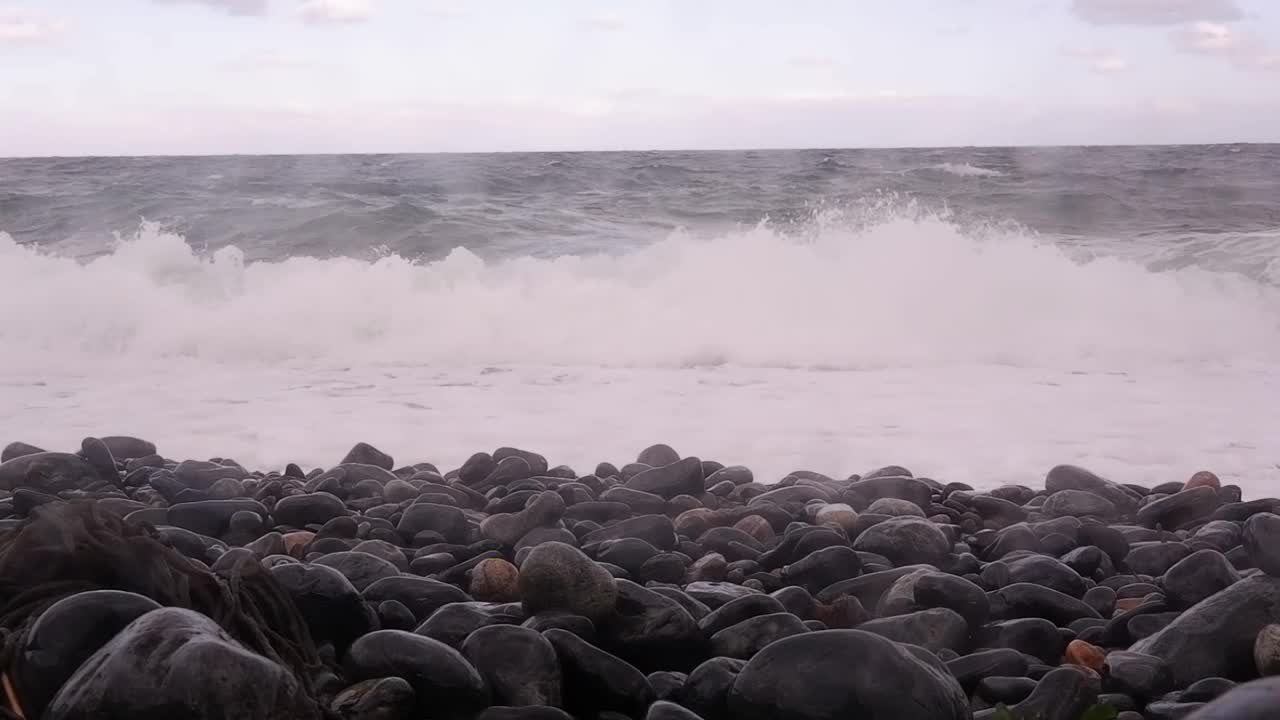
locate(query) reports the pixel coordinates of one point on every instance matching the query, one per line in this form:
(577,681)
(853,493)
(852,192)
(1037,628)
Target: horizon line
(815,148)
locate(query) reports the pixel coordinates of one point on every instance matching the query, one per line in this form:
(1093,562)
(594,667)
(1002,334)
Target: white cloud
(1155,12)
(334,12)
(17,26)
(1241,48)
(1104,62)
(235,7)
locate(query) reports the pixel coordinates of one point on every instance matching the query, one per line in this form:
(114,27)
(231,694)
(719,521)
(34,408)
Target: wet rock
(311,508)
(1266,650)
(507,528)
(663,710)
(527,712)
(1137,675)
(679,477)
(847,682)
(389,698)
(1025,600)
(330,604)
(519,665)
(595,680)
(17,450)
(744,639)
(905,541)
(1261,540)
(649,629)
(1155,558)
(361,568)
(495,580)
(1084,655)
(67,634)
(446,520)
(421,595)
(444,683)
(1005,690)
(1036,637)
(162,661)
(706,691)
(1215,638)
(823,568)
(970,669)
(366,454)
(1197,576)
(1078,503)
(454,622)
(1255,700)
(657,530)
(556,576)
(934,629)
(716,594)
(1180,509)
(1063,694)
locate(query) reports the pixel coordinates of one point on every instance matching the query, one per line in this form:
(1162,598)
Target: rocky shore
(668,588)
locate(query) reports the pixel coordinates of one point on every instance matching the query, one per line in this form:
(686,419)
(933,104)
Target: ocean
(977,315)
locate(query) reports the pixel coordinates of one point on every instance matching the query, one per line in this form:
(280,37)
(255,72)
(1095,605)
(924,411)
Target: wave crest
(906,290)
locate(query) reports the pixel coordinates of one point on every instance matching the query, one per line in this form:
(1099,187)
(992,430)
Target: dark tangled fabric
(70,548)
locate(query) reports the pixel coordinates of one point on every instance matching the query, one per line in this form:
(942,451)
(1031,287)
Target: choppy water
(978,314)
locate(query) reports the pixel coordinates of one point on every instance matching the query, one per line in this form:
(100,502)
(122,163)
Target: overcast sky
(84,77)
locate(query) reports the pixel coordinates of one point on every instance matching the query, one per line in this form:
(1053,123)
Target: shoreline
(667,588)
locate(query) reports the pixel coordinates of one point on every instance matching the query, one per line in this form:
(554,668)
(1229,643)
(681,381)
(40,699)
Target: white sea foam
(980,359)
(967,170)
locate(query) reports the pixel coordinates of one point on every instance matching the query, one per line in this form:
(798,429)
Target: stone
(836,515)
(1085,655)
(361,568)
(519,665)
(905,541)
(308,509)
(934,629)
(706,690)
(1198,576)
(1261,540)
(1078,503)
(443,682)
(657,530)
(177,658)
(679,477)
(1155,558)
(1255,700)
(452,623)
(527,712)
(1062,694)
(543,509)
(1216,637)
(366,454)
(735,611)
(446,520)
(1204,478)
(556,576)
(649,629)
(495,580)
(332,607)
(842,673)
(1179,509)
(595,680)
(1266,651)
(895,507)
(1033,636)
(1136,674)
(389,698)
(664,710)
(970,669)
(1026,600)
(68,633)
(422,596)
(823,567)
(17,450)
(748,637)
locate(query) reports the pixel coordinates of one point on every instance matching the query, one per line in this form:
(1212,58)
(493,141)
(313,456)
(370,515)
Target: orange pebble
(296,541)
(1204,478)
(1124,604)
(1083,654)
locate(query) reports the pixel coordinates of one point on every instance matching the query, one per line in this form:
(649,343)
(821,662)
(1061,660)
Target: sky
(145,77)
